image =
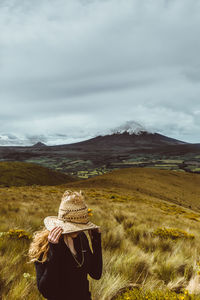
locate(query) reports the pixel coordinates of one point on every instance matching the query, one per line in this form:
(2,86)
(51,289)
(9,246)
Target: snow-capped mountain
(130,127)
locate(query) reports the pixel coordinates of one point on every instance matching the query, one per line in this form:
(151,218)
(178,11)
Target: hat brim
(68,227)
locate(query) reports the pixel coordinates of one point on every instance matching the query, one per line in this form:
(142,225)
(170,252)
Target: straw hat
(72,214)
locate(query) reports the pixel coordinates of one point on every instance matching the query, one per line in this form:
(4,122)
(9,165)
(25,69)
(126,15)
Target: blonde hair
(39,245)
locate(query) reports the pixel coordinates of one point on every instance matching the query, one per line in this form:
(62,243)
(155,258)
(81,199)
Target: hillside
(173,186)
(128,205)
(22,174)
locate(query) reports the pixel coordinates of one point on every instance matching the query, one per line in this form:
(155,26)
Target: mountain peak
(39,144)
(130,127)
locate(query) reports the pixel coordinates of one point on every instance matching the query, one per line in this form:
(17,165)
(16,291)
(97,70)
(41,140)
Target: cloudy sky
(71,69)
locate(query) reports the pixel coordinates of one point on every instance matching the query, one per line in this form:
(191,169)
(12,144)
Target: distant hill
(22,174)
(146,183)
(39,144)
(100,154)
(126,139)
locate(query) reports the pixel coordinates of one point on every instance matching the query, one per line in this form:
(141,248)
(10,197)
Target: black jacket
(59,278)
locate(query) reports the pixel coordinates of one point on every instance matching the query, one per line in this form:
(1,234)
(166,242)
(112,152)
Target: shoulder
(39,260)
(84,237)
(96,237)
(95,234)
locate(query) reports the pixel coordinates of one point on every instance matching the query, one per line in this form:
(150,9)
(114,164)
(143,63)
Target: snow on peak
(131,127)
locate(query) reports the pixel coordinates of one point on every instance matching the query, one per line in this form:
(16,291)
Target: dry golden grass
(23,174)
(132,254)
(178,187)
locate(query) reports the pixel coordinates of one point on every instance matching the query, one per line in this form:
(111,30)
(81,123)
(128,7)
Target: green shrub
(16,234)
(140,294)
(172,233)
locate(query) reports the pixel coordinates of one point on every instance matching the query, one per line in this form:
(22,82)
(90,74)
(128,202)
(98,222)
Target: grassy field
(86,168)
(150,234)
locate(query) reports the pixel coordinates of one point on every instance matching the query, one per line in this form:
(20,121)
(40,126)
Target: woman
(61,252)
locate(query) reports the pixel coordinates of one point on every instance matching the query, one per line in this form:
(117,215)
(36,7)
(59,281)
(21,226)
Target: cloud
(74,66)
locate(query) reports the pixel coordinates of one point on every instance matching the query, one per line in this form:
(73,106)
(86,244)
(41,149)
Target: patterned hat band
(79,215)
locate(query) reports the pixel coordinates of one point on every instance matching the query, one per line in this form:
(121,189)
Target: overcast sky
(79,67)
